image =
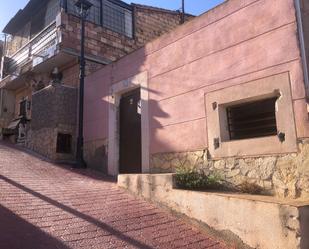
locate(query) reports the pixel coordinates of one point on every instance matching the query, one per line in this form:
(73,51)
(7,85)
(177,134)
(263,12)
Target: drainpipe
(302,46)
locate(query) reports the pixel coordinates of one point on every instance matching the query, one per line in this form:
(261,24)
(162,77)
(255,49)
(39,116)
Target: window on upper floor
(44,17)
(94,12)
(52,10)
(117,18)
(23,108)
(107,14)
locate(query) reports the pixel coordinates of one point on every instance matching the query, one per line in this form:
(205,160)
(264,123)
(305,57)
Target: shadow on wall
(97,92)
(156,113)
(98,160)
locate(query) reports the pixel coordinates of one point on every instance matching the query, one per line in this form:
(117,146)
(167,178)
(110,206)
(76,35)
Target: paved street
(44,206)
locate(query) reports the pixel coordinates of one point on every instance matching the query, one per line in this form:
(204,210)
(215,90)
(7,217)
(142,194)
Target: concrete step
(21,141)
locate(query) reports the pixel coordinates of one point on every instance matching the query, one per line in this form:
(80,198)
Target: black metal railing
(36,47)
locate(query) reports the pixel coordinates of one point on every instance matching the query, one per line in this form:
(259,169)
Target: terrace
(41,36)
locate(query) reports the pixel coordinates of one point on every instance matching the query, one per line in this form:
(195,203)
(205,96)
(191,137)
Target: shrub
(250,188)
(189,178)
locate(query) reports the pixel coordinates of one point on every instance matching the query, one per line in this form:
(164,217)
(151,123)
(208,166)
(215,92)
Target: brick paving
(44,206)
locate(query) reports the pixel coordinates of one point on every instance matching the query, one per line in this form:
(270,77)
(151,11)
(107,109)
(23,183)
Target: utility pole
(182,12)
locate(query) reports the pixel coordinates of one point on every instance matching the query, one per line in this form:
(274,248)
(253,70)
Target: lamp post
(83,7)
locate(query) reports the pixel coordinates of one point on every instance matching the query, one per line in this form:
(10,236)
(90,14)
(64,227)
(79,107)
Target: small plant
(214,181)
(193,179)
(189,178)
(250,188)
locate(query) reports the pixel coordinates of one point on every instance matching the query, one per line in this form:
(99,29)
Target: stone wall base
(95,155)
(259,221)
(44,142)
(285,176)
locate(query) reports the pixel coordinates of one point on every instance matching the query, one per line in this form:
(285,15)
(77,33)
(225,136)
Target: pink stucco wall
(237,42)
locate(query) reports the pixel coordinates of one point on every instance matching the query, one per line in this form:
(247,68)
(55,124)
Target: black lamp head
(84,5)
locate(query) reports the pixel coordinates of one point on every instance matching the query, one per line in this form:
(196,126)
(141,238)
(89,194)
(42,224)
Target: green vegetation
(193,179)
(189,178)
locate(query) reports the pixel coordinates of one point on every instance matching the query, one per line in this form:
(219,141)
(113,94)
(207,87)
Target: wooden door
(130,133)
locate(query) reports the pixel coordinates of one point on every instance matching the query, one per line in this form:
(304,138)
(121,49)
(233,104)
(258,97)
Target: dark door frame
(130,133)
(116,91)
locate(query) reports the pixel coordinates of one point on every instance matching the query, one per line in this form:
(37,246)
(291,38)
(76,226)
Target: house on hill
(219,93)
(40,70)
(225,94)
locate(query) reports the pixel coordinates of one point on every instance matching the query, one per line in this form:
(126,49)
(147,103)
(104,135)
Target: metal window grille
(252,120)
(64,143)
(94,14)
(23,108)
(114,17)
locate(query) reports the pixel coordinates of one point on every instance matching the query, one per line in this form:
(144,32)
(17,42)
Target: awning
(14,124)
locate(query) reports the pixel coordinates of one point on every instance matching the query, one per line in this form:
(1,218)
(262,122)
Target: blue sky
(8,8)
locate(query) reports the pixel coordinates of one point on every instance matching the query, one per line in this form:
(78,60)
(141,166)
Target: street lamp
(83,7)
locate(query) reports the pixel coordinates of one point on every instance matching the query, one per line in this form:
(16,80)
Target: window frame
(23,104)
(62,148)
(219,144)
(120,4)
(234,124)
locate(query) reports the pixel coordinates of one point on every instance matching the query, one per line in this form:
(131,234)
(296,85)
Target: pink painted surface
(186,136)
(96,105)
(235,43)
(302,121)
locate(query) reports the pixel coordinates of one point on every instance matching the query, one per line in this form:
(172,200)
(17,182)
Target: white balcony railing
(36,50)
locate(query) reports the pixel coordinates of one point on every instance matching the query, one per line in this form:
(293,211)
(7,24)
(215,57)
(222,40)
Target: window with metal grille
(114,16)
(117,18)
(64,143)
(94,14)
(252,120)
(23,108)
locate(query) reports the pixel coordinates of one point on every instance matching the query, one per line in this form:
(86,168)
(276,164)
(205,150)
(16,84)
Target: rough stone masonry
(281,175)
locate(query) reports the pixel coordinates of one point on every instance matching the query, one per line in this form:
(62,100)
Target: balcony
(40,48)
